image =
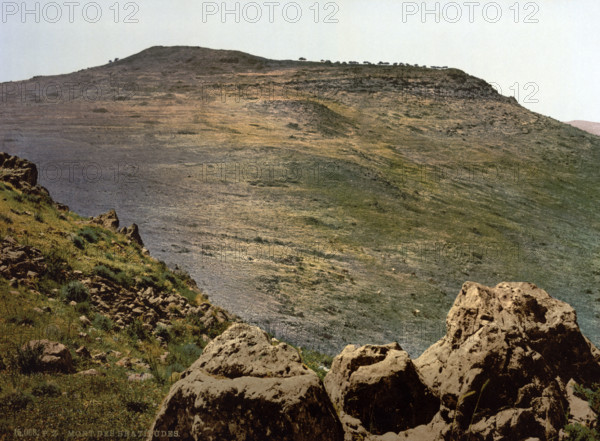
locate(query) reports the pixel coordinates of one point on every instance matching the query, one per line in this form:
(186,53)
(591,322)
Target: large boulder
(47,356)
(502,368)
(18,172)
(378,390)
(244,388)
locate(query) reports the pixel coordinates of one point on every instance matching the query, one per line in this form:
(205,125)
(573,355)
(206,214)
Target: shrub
(78,242)
(105,272)
(114,275)
(146,281)
(46,389)
(577,432)
(83,308)
(16,401)
(137,331)
(175,367)
(123,279)
(137,406)
(57,266)
(186,353)
(27,359)
(102,322)
(89,234)
(75,291)
(164,333)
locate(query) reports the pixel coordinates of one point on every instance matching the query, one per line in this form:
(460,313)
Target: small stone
(83,352)
(89,372)
(140,377)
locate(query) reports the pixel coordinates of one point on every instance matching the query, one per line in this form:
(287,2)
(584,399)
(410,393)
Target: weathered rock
(89,372)
(53,356)
(107,220)
(580,411)
(83,352)
(133,233)
(379,386)
(18,172)
(243,388)
(20,261)
(140,377)
(85,321)
(500,371)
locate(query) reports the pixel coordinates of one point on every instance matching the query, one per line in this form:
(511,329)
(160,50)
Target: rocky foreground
(504,371)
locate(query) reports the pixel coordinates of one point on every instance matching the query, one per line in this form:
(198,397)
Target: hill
(328,203)
(588,126)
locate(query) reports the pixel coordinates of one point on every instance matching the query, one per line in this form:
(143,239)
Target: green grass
(74,406)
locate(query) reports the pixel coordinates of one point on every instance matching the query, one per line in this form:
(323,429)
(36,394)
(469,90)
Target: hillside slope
(327,203)
(121,325)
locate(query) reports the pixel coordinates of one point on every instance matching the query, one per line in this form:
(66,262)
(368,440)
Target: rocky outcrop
(504,371)
(49,356)
(380,387)
(133,233)
(18,172)
(108,220)
(20,261)
(501,370)
(245,388)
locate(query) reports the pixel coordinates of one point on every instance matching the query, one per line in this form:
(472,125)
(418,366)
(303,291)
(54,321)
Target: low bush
(89,234)
(103,323)
(75,291)
(27,359)
(47,390)
(16,401)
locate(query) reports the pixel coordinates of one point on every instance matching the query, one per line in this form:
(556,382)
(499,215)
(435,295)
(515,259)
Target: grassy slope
(56,406)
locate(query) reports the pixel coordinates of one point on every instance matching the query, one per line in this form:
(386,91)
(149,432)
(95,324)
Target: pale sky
(546,52)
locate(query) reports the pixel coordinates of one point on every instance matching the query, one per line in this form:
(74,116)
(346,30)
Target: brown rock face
(502,367)
(244,388)
(379,386)
(19,260)
(133,233)
(18,172)
(54,357)
(107,220)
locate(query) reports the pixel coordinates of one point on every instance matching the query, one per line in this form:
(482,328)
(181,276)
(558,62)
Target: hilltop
(327,203)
